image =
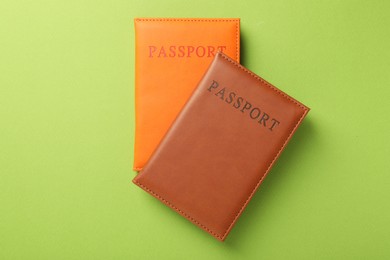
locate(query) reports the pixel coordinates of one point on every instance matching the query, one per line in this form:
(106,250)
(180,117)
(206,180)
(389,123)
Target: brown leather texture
(171,57)
(221,146)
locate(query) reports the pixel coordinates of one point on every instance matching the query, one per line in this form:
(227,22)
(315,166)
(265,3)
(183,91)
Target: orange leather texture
(171,57)
(221,146)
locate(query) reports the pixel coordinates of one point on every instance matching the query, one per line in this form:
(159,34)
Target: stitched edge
(187,19)
(178,210)
(238,40)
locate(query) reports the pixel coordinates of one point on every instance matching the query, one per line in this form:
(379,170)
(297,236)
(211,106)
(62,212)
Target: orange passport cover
(171,57)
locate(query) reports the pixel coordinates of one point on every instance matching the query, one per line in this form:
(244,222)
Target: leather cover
(171,57)
(221,146)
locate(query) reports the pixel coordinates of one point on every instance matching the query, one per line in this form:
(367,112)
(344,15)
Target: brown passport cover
(221,146)
(171,56)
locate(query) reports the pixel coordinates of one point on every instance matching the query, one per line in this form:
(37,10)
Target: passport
(171,56)
(221,146)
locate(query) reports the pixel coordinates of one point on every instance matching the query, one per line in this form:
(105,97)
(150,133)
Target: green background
(67,128)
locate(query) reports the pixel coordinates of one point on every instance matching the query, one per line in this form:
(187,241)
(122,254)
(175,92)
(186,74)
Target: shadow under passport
(243,48)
